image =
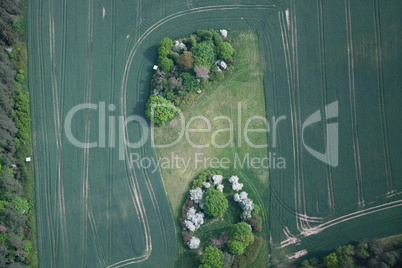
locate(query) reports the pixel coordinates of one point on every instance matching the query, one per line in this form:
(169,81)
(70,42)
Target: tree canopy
(240,236)
(204,51)
(215,203)
(225,50)
(211,258)
(159,110)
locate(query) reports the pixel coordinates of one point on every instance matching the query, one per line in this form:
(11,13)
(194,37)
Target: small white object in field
(104,12)
(128,36)
(224,33)
(28,159)
(155,67)
(199,91)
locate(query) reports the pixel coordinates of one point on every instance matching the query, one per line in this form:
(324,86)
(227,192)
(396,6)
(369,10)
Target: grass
(242,89)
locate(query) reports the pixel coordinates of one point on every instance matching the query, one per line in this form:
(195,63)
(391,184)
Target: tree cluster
(365,254)
(191,64)
(16,209)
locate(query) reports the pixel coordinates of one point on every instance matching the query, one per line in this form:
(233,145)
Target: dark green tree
(211,258)
(240,232)
(215,203)
(205,51)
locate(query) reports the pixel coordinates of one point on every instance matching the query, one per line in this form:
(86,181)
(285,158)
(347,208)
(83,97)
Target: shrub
(240,232)
(216,75)
(225,50)
(174,56)
(186,237)
(186,61)
(189,81)
(215,203)
(159,110)
(212,257)
(166,64)
(205,35)
(166,43)
(19,78)
(217,37)
(205,51)
(255,222)
(202,72)
(250,254)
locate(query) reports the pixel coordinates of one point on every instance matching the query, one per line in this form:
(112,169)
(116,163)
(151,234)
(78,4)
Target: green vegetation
(215,203)
(240,236)
(368,253)
(191,64)
(211,258)
(222,99)
(160,110)
(17,210)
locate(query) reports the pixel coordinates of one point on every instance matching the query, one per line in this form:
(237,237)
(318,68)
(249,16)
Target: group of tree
(368,253)
(186,67)
(17,237)
(207,196)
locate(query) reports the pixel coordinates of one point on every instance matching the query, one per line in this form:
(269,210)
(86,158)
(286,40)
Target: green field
(94,210)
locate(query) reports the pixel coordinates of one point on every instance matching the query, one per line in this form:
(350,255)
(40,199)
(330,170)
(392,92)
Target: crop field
(95,209)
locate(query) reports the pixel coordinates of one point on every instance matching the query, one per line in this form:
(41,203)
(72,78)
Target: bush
(211,258)
(186,61)
(205,35)
(189,81)
(215,203)
(217,37)
(166,64)
(216,75)
(255,223)
(19,78)
(240,232)
(166,43)
(174,56)
(205,51)
(159,110)
(225,50)
(163,52)
(250,254)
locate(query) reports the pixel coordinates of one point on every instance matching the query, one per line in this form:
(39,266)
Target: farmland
(96,210)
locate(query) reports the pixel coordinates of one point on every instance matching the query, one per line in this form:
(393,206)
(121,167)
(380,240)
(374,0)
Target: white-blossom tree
(201,205)
(196,195)
(234,179)
(243,195)
(224,33)
(206,184)
(197,219)
(194,243)
(190,225)
(247,204)
(220,187)
(236,197)
(237,186)
(223,65)
(217,179)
